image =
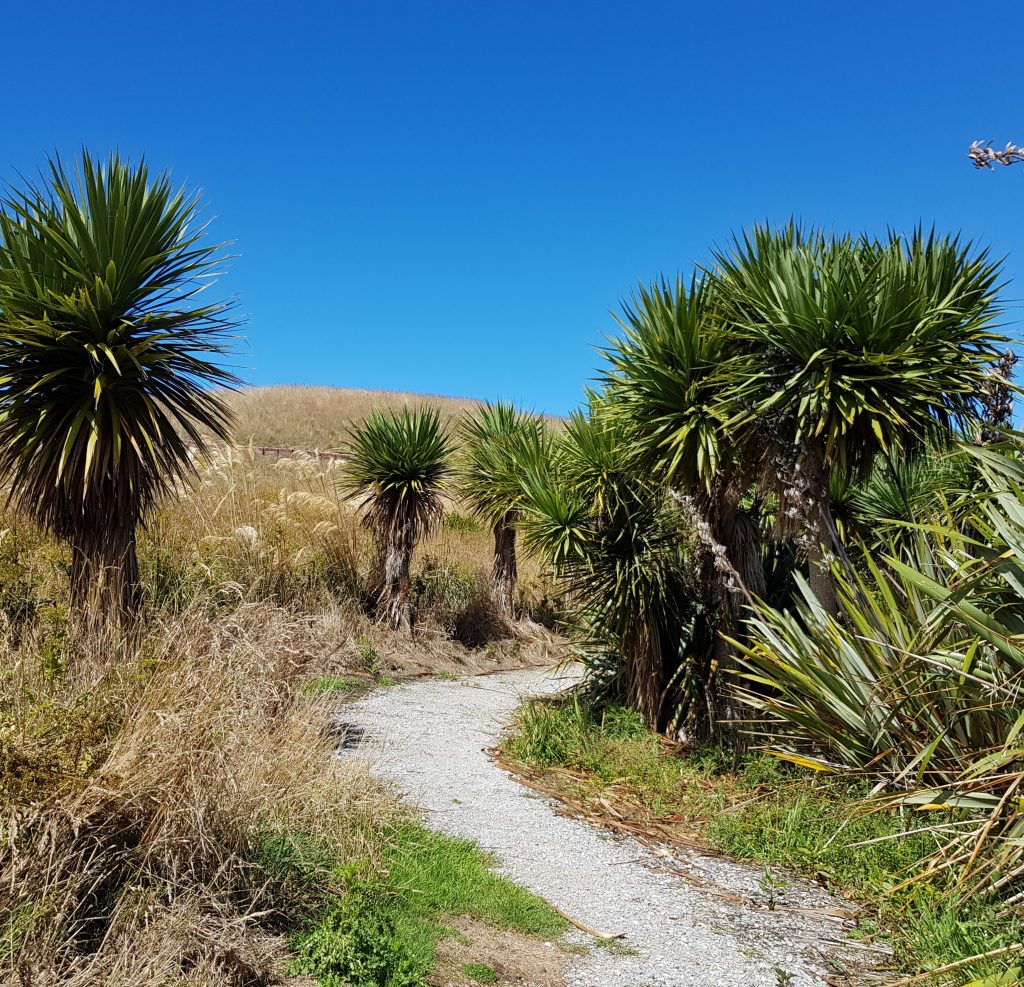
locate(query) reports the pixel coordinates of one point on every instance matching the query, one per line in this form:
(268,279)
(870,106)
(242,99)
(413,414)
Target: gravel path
(430,738)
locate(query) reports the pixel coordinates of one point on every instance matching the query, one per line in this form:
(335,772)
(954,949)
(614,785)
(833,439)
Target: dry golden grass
(317,417)
(281,530)
(143,780)
(145,860)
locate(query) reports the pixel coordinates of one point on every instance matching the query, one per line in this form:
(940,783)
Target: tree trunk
(822,536)
(645,673)
(505,571)
(104,574)
(730,575)
(393,602)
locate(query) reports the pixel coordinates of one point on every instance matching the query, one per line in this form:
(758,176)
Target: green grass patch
(760,809)
(480,972)
(383,931)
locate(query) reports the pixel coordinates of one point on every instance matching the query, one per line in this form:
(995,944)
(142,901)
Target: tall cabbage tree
(852,348)
(398,463)
(108,345)
(500,443)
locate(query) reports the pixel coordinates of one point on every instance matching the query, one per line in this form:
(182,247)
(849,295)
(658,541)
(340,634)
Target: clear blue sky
(449,196)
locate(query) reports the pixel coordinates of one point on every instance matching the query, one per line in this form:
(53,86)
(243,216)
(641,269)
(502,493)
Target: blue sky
(449,196)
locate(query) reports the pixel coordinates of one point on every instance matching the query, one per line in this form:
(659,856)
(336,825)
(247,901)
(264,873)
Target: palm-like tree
(666,384)
(619,544)
(399,464)
(105,359)
(850,349)
(500,443)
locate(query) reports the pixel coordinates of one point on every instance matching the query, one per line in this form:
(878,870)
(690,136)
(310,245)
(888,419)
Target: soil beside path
(430,737)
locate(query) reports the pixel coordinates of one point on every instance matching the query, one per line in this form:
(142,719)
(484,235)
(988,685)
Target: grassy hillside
(316,417)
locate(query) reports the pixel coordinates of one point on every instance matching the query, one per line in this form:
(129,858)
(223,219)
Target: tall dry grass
(317,417)
(253,528)
(158,797)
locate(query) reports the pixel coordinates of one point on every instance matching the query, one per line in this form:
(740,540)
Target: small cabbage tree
(619,545)
(107,342)
(398,463)
(667,384)
(501,443)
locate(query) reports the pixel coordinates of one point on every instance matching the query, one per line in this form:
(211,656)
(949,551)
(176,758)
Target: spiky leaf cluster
(500,444)
(107,342)
(398,463)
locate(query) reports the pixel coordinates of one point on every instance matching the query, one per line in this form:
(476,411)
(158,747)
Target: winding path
(430,737)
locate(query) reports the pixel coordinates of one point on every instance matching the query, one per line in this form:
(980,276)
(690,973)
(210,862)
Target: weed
(368,656)
(480,972)
(384,931)
(454,521)
(772,887)
(329,683)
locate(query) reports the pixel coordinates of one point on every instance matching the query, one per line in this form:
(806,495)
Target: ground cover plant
(384,931)
(608,766)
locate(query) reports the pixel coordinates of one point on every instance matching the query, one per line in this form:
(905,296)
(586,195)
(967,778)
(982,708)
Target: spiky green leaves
(619,544)
(666,379)
(399,463)
(501,445)
(107,346)
(857,345)
(918,684)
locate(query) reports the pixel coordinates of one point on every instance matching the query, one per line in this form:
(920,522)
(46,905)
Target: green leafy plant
(398,464)
(106,350)
(480,972)
(917,682)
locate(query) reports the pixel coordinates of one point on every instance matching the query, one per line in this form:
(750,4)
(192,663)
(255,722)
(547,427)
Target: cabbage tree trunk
(104,573)
(393,598)
(822,535)
(505,572)
(645,674)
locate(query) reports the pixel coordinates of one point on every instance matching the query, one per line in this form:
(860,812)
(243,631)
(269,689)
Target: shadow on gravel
(346,736)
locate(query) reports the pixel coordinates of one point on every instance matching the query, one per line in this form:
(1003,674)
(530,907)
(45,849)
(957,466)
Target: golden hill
(316,417)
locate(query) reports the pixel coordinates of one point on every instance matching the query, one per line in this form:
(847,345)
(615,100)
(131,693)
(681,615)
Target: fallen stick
(586,928)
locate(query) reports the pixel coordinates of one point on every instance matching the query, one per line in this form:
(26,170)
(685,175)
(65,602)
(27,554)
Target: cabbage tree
(398,463)
(499,444)
(848,349)
(108,352)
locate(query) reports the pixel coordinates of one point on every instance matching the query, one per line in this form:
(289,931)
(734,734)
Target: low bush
(383,930)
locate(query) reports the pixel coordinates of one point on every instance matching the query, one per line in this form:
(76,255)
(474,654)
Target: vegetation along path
(712,928)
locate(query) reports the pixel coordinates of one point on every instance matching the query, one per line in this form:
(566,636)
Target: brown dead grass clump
(178,853)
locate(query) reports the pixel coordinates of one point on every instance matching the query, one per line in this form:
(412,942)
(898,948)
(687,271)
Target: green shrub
(384,929)
(480,972)
(454,521)
(358,944)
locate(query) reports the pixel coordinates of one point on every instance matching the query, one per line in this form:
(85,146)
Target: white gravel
(430,737)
